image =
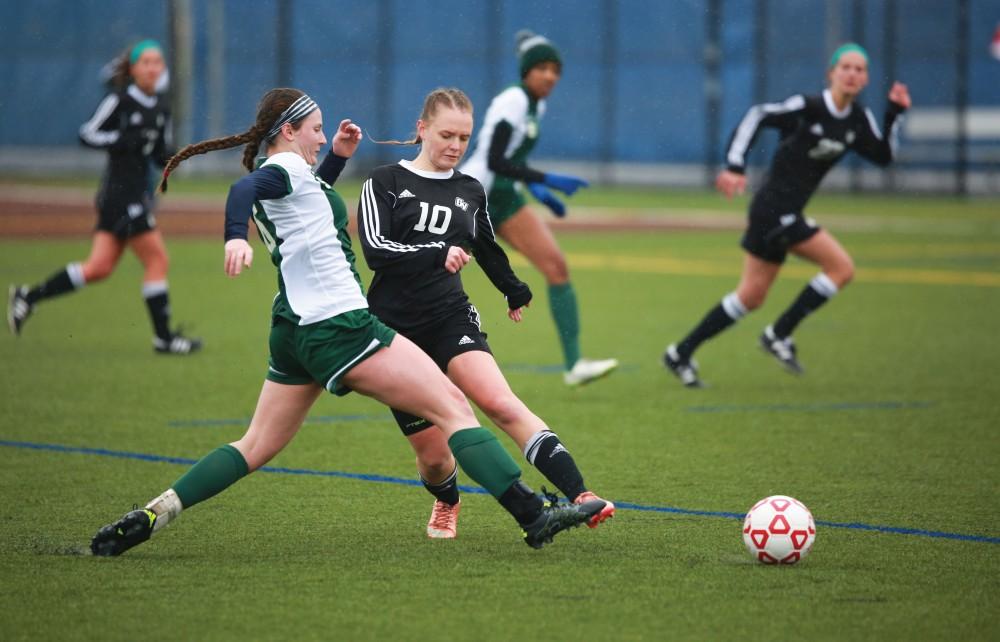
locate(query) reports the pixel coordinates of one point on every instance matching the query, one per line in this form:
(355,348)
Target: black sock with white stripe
(725,314)
(158,302)
(546,453)
(812,297)
(65,280)
(446,491)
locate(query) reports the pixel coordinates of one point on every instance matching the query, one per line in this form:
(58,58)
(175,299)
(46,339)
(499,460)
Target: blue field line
(816,407)
(104,452)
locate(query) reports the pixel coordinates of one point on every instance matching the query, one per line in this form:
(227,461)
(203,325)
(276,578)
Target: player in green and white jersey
(499,161)
(322,334)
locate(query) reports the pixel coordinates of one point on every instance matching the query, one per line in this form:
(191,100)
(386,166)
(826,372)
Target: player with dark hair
(499,161)
(132,124)
(420,222)
(323,336)
(816,132)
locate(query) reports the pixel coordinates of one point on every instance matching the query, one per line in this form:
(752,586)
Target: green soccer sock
(562,303)
(214,473)
(484,460)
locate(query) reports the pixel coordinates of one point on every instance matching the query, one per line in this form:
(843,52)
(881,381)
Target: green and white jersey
(306,233)
(522,112)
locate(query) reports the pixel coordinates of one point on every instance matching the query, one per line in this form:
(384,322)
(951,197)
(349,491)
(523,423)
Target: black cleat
(18,308)
(556,518)
(131,530)
(781,349)
(176,344)
(685,369)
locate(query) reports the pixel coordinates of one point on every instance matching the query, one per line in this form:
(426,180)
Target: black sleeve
(106,129)
(491,257)
(784,116)
(382,252)
(880,147)
(261,184)
(499,163)
(331,167)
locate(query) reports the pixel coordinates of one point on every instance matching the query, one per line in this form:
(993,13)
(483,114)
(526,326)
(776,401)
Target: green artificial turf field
(890,439)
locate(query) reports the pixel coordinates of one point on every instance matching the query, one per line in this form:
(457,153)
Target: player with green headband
(816,132)
(499,161)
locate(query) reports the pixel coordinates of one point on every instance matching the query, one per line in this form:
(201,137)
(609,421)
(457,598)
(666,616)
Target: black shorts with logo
(123,216)
(774,226)
(456,334)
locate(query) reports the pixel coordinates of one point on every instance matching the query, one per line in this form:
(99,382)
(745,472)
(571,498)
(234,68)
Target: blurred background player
(499,162)
(323,336)
(816,132)
(420,222)
(133,124)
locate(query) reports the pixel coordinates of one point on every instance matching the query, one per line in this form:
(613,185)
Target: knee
(503,409)
(553,266)
(844,273)
(752,299)
(98,270)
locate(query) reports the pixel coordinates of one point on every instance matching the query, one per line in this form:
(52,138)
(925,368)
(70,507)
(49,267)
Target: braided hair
(269,109)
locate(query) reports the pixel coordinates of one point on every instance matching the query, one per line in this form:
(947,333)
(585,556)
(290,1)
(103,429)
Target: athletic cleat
(586,370)
(444,520)
(685,369)
(606,513)
(18,308)
(781,349)
(131,530)
(556,518)
(177,344)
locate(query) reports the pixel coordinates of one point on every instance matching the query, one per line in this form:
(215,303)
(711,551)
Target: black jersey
(135,130)
(814,136)
(407,220)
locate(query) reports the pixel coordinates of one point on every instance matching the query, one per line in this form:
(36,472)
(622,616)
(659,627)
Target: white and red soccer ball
(779,530)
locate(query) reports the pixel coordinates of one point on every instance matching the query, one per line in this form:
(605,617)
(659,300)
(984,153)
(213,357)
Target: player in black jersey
(816,131)
(132,124)
(420,222)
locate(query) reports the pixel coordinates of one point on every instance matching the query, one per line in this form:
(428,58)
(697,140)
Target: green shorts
(504,201)
(323,352)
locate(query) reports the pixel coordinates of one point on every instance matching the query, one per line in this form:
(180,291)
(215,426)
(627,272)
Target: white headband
(296,111)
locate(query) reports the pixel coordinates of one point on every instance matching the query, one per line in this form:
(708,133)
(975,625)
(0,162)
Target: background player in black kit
(816,131)
(132,124)
(420,222)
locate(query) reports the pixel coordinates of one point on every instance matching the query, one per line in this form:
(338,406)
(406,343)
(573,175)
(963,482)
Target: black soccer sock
(158,301)
(521,502)
(725,314)
(546,453)
(814,295)
(65,280)
(446,491)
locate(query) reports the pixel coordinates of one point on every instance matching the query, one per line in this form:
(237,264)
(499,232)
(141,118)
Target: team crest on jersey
(826,149)
(532,129)
(461,204)
(135,118)
(816,129)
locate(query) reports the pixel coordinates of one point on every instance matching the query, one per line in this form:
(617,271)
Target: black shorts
(123,216)
(774,227)
(458,333)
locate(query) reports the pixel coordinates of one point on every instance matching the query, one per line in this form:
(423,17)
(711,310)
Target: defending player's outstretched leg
(781,349)
(685,369)
(586,370)
(134,528)
(556,518)
(18,308)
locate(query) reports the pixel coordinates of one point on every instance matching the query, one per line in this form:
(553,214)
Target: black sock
(714,322)
(58,283)
(546,453)
(158,302)
(521,502)
(446,491)
(805,304)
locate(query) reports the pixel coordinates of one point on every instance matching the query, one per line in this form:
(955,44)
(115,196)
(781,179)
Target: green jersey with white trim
(522,113)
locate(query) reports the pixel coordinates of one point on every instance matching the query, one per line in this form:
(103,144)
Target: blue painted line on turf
(815,407)
(245,421)
(104,452)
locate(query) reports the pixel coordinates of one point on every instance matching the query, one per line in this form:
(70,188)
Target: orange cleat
(444,521)
(606,513)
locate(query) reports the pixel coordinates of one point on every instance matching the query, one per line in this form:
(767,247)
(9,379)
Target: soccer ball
(779,530)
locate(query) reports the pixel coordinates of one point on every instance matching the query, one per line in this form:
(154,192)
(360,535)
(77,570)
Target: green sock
(562,303)
(214,473)
(483,459)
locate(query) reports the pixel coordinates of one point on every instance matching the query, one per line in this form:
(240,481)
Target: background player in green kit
(322,334)
(420,222)
(499,161)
